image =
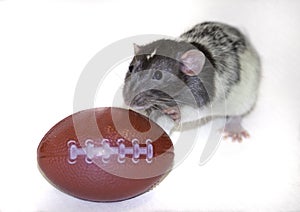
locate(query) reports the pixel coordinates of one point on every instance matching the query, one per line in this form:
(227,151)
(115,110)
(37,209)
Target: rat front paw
(173,112)
(164,121)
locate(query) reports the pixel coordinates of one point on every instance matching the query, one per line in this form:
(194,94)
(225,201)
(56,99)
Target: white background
(45,45)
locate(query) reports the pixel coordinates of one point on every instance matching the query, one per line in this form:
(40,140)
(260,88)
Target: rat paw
(236,136)
(234,130)
(173,112)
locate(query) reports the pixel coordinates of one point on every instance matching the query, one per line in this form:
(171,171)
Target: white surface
(44,46)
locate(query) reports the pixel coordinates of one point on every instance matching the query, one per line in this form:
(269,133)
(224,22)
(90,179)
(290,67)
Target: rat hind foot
(236,136)
(234,130)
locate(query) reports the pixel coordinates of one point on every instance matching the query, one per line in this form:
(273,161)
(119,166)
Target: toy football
(105,154)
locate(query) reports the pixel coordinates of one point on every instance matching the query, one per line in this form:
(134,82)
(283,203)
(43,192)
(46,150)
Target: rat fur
(210,70)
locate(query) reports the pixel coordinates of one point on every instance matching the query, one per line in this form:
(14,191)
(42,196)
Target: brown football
(105,154)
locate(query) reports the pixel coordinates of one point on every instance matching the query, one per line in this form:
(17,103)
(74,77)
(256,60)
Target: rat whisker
(161,99)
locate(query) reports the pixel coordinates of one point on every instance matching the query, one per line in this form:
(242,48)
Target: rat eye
(131,68)
(157,75)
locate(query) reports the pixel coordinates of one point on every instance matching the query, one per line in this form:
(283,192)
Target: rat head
(159,73)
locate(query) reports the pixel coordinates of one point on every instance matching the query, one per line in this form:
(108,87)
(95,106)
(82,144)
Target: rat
(211,70)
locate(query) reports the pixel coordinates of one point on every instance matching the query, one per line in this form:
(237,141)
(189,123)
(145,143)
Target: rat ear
(136,48)
(193,62)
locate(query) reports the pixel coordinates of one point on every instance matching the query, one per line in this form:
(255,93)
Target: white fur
(239,101)
(244,94)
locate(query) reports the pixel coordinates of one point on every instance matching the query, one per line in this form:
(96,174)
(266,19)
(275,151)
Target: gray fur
(224,44)
(230,75)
